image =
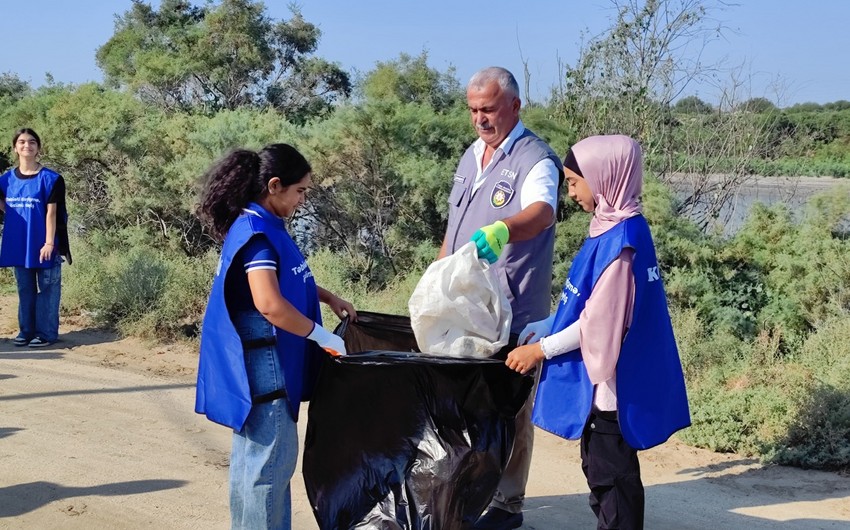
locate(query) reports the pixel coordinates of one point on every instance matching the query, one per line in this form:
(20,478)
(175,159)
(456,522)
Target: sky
(789,51)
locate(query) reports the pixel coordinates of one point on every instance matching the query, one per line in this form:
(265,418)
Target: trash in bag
(404,440)
(458,307)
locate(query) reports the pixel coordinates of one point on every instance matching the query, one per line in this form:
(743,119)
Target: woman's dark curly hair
(242,177)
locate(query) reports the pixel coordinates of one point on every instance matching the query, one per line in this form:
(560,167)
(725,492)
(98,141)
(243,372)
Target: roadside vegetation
(762,316)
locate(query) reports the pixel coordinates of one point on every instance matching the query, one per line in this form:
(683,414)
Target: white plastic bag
(458,308)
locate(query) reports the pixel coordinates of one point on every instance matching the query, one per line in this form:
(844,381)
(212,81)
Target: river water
(793,191)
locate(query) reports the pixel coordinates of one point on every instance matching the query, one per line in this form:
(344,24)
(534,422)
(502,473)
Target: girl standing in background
(35,239)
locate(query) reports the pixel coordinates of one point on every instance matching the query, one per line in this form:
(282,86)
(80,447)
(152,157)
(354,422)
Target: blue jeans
(38,301)
(264,452)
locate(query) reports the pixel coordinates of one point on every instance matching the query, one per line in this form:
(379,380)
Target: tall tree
(757,105)
(382,173)
(692,105)
(626,78)
(409,79)
(382,167)
(12,88)
(225,56)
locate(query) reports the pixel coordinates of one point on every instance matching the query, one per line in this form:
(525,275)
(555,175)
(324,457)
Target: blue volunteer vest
(223,393)
(651,399)
(26,219)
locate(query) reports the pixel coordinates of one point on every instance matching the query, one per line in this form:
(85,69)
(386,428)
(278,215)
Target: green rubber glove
(490,240)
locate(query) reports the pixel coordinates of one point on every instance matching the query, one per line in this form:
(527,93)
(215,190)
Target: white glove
(333,344)
(535,331)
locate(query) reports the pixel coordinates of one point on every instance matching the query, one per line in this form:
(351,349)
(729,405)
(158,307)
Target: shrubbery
(139,290)
(762,324)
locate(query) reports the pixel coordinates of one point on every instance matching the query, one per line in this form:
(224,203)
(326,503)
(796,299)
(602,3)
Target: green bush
(700,350)
(139,291)
(7,280)
(818,435)
(742,405)
(180,307)
(778,387)
(118,287)
(332,272)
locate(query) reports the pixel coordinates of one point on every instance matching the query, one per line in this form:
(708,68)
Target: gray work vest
(525,267)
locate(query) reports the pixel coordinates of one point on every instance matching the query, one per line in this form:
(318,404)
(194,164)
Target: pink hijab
(612,165)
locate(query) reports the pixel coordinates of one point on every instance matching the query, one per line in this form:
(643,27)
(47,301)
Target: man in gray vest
(504,198)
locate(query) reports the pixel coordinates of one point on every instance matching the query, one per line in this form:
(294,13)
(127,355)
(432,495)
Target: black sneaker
(498,519)
(20,340)
(38,342)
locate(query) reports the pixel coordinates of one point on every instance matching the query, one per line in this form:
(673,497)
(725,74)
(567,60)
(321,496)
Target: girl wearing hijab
(35,239)
(261,327)
(611,373)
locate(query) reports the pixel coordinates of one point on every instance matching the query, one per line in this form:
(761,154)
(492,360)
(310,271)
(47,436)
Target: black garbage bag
(401,440)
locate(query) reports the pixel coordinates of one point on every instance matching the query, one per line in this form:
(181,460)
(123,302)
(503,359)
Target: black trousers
(613,474)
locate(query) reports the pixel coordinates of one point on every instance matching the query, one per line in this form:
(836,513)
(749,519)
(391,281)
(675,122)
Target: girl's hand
(525,358)
(46,253)
(342,308)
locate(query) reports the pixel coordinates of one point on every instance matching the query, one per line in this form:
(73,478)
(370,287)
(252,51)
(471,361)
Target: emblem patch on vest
(502,194)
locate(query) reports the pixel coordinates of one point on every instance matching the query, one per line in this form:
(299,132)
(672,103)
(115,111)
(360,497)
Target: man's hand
(490,240)
(536,330)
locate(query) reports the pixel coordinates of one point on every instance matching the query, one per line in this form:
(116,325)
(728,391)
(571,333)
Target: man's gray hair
(504,78)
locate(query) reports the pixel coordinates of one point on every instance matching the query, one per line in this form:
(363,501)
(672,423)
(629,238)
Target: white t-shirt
(541,183)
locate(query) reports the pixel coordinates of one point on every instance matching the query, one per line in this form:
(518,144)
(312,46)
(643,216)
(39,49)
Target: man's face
(494,113)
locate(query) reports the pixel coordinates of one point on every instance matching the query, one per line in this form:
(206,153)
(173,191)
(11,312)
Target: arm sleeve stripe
(261,268)
(261,262)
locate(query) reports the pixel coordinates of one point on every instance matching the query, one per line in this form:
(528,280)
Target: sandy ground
(98,432)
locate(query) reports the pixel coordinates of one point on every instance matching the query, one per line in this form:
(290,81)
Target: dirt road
(99,433)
